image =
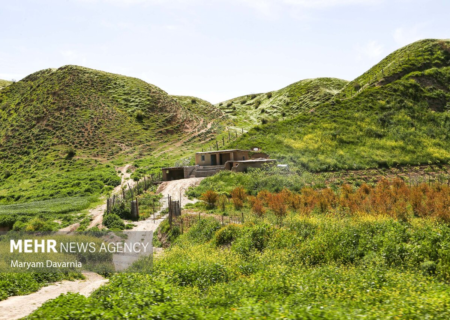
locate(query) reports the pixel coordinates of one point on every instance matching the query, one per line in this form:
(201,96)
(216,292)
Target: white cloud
(372,51)
(404,36)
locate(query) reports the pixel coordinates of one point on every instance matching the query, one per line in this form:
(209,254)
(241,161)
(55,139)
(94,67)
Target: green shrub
(226,235)
(113,222)
(203,230)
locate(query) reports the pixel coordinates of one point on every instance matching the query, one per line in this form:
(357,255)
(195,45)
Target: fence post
(137,209)
(133,209)
(170,212)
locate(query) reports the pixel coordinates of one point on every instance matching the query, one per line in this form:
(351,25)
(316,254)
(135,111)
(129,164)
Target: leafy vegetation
(4,83)
(400,120)
(314,266)
(303,96)
(63,131)
(15,284)
(200,107)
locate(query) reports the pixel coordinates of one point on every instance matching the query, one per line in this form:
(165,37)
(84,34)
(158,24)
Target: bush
(210,197)
(113,222)
(226,235)
(122,210)
(203,230)
(139,115)
(70,153)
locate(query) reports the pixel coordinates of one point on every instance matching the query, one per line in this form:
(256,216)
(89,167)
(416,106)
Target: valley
(355,224)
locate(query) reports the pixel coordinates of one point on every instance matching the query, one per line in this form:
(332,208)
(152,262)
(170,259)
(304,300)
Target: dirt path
(173,189)
(180,143)
(20,306)
(97,212)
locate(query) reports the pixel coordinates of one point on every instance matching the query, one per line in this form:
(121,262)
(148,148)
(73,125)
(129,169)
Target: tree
(278,206)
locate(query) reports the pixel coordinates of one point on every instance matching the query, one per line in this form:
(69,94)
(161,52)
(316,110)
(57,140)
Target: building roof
(220,151)
(253,160)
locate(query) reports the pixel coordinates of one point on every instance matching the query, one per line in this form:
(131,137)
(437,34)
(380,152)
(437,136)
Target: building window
(203,158)
(243,158)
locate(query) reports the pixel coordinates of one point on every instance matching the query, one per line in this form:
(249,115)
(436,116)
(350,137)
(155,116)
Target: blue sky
(213,49)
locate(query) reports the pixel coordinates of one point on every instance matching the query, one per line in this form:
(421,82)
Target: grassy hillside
(399,118)
(302,96)
(201,107)
(61,128)
(4,83)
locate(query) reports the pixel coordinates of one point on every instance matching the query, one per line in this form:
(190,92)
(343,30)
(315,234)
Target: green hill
(302,96)
(4,83)
(201,108)
(394,114)
(61,128)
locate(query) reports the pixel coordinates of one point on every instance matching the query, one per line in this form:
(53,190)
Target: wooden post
(170,213)
(217,145)
(137,209)
(133,209)
(131,190)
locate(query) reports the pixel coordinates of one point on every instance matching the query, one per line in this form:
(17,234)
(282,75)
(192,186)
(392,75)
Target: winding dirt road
(20,306)
(173,189)
(97,212)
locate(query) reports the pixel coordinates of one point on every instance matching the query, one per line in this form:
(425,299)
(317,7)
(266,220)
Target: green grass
(302,96)
(313,267)
(402,120)
(200,107)
(4,83)
(17,284)
(58,205)
(62,130)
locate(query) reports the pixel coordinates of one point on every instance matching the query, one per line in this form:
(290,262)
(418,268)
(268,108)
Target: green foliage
(4,83)
(58,205)
(201,108)
(399,121)
(271,179)
(123,210)
(327,267)
(60,128)
(203,231)
(303,96)
(15,284)
(226,235)
(113,222)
